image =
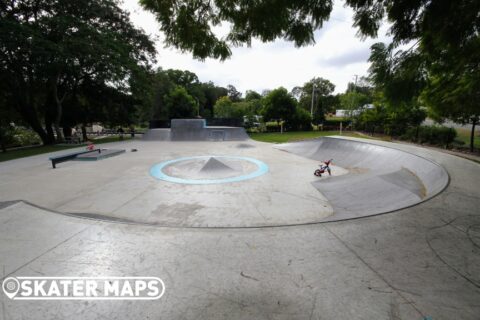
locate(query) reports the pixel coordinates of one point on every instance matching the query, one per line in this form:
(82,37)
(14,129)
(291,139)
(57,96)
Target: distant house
(341,113)
(96,127)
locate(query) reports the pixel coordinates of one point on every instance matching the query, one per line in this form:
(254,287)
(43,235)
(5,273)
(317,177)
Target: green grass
(110,139)
(338,119)
(33,151)
(276,137)
(464,135)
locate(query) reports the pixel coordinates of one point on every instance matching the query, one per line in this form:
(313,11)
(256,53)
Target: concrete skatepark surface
(209,169)
(380,179)
(419,261)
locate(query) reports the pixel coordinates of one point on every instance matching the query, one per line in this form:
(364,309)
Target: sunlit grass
(33,151)
(276,137)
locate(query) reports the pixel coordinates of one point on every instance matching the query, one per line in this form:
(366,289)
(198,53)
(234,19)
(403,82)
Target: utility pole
(352,100)
(313,95)
(198,107)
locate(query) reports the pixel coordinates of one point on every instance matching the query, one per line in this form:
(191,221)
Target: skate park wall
(161,134)
(380,179)
(195,130)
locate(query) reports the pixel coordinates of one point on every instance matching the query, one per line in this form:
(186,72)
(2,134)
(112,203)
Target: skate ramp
(380,179)
(195,130)
(157,135)
(214,165)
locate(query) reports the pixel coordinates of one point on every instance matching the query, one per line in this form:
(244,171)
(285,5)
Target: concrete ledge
(94,156)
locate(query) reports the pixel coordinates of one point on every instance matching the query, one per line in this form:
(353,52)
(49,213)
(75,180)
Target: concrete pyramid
(213,165)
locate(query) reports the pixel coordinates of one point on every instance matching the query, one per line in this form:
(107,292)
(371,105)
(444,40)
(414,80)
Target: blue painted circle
(156,171)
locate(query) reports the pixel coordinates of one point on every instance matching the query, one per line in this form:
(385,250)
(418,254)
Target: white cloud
(338,55)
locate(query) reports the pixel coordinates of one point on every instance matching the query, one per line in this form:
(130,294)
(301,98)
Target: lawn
(464,136)
(276,137)
(33,151)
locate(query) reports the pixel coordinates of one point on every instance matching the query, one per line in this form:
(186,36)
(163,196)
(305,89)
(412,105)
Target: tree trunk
(84,132)
(22,89)
(67,131)
(472,134)
(59,109)
(48,125)
(2,142)
(30,116)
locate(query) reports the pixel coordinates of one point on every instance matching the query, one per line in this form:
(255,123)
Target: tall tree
(252,95)
(226,108)
(188,24)
(233,93)
(212,94)
(180,104)
(456,97)
(401,75)
(399,79)
(51,46)
(446,36)
(317,103)
(279,105)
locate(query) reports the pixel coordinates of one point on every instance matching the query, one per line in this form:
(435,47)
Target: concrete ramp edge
(380,179)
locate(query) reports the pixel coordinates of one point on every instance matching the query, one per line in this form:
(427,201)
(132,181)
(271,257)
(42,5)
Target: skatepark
(240,229)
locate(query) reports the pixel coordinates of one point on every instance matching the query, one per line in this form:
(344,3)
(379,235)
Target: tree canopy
(49,48)
(322,90)
(187,25)
(279,105)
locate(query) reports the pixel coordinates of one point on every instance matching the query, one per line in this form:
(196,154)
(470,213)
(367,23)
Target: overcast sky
(338,55)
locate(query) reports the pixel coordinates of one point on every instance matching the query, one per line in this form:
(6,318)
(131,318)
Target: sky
(338,55)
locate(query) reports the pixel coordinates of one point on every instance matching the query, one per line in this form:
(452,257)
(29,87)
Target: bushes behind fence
(435,135)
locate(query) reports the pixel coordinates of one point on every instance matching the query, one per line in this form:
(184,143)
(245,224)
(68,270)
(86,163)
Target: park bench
(69,156)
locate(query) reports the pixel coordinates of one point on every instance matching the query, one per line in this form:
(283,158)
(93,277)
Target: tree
(401,76)
(234,94)
(455,97)
(279,105)
(301,120)
(363,86)
(399,79)
(187,25)
(6,129)
(353,101)
(226,108)
(212,94)
(322,90)
(180,104)
(371,119)
(223,108)
(161,86)
(450,22)
(49,47)
(447,41)
(183,78)
(252,95)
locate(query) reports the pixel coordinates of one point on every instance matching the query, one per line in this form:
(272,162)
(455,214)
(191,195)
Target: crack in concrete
(411,303)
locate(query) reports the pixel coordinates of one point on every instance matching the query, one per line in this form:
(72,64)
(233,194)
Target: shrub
(435,135)
(301,121)
(445,136)
(25,137)
(272,127)
(7,135)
